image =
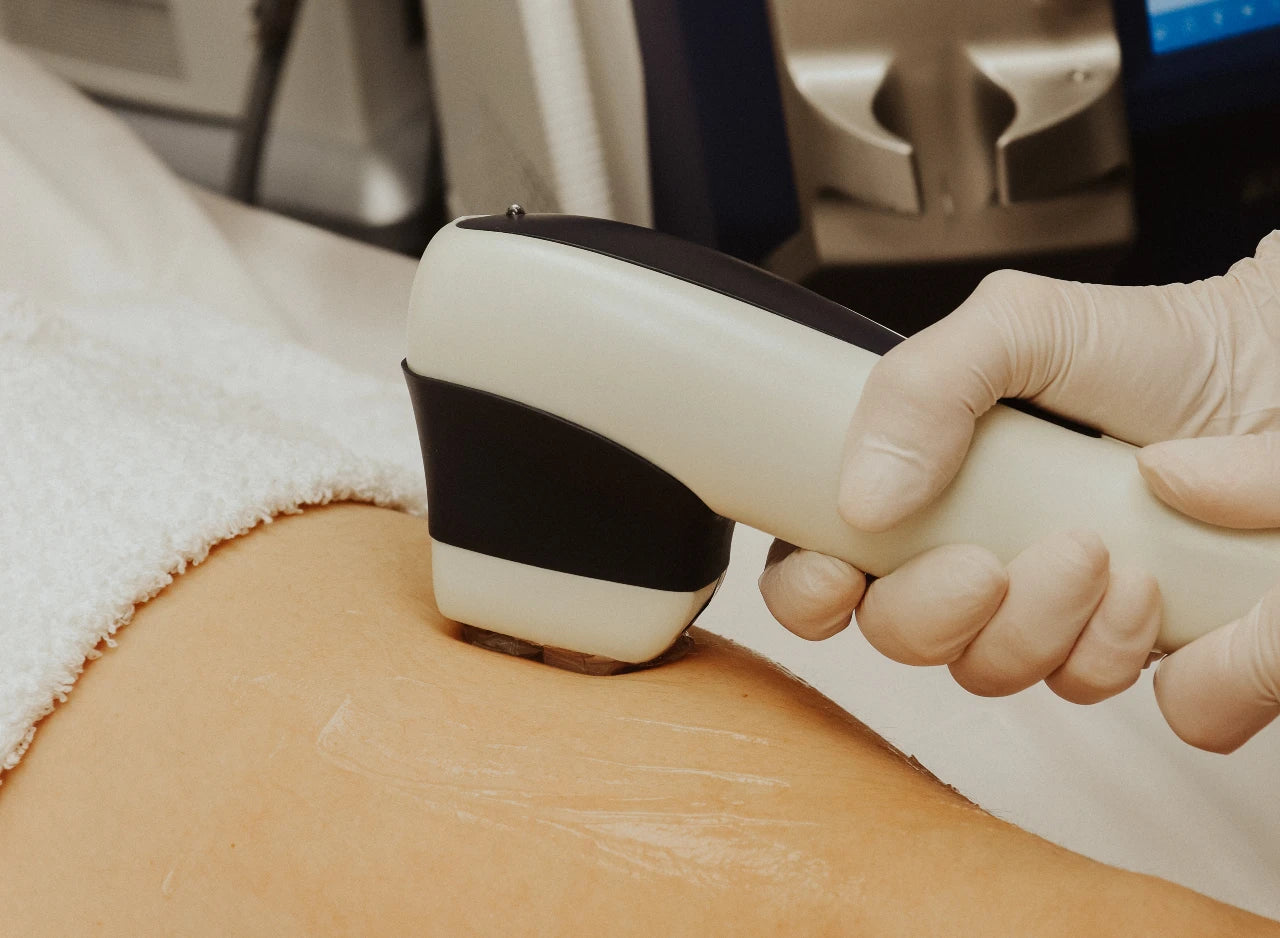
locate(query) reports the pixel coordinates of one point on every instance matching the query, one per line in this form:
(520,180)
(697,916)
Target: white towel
(152,403)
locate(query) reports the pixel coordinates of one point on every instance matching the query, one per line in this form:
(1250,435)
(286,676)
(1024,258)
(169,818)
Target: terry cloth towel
(152,403)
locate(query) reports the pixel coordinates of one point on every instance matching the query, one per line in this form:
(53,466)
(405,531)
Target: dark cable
(275,19)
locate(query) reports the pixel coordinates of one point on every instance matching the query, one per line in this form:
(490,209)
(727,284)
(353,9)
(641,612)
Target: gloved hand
(1191,372)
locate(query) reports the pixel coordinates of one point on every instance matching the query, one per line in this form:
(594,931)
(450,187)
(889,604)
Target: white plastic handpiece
(750,411)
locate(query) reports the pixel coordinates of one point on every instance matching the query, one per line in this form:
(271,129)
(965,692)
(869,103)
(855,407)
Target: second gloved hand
(1196,364)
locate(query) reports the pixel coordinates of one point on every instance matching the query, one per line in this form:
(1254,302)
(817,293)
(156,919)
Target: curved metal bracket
(848,143)
(927,131)
(1068,127)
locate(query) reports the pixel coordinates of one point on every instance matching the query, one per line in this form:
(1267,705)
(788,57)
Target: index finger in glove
(810,594)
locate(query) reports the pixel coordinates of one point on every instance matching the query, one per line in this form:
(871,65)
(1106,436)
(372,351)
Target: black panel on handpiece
(515,482)
(698,265)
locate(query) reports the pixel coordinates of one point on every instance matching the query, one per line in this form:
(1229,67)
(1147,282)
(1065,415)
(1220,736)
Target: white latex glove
(1194,365)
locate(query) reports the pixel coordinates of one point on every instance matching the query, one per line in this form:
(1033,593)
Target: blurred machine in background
(887,152)
(925,131)
(349,133)
(541,101)
(1202,79)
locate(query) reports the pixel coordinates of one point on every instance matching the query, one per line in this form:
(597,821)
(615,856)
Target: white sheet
(1110,781)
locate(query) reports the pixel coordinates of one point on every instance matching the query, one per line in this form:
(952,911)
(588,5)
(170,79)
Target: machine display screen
(1177,24)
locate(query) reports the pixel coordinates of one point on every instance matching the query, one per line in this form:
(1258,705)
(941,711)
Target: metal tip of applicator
(566,659)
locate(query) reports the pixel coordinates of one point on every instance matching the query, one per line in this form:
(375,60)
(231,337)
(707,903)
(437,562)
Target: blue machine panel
(1178,24)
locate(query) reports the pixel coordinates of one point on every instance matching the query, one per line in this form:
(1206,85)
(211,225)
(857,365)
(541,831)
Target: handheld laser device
(598,404)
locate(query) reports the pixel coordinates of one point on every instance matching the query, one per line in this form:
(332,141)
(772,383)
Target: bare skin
(291,740)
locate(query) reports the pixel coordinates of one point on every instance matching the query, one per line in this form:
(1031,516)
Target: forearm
(291,739)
